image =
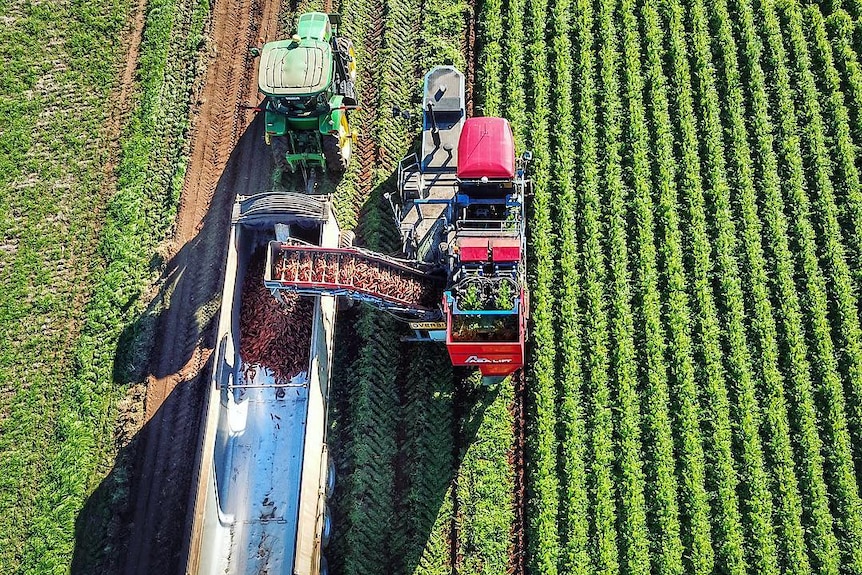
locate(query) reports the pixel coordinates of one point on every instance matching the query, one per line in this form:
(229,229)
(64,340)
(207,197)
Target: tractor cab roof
(290,68)
(316,25)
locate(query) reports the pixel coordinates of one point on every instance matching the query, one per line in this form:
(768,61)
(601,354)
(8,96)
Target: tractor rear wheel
(345,46)
(337,149)
(279,147)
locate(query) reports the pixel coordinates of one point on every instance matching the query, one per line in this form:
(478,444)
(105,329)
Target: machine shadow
(424,470)
(136,520)
(424,480)
(111,520)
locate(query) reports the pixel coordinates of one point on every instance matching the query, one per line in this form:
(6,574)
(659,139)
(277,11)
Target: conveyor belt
(376,279)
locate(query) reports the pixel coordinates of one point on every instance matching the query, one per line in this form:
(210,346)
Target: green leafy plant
(471,297)
(504,296)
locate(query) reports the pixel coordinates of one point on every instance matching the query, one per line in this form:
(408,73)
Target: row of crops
(695,386)
(88,187)
(694,391)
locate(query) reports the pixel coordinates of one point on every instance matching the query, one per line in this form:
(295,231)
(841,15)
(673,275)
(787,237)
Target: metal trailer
(264,472)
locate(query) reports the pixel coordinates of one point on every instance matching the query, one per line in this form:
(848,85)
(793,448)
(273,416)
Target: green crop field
(87,192)
(692,402)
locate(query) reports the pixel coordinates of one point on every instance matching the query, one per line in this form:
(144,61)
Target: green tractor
(308,83)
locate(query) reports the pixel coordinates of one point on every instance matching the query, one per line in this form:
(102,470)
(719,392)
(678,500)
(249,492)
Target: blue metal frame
(453,305)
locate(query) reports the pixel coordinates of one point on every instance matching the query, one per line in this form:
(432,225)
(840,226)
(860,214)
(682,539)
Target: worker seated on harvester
(308,83)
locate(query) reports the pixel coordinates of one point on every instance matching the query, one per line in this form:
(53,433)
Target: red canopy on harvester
(486,149)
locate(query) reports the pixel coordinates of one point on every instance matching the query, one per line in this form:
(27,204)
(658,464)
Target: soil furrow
(227,157)
(518,558)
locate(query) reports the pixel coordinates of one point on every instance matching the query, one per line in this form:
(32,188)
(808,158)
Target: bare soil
(227,157)
(518,558)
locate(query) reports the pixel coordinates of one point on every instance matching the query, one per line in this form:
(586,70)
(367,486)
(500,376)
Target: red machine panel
(486,148)
(490,358)
(493,358)
(505,250)
(473,249)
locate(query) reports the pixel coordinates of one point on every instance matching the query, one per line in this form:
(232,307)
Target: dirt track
(227,157)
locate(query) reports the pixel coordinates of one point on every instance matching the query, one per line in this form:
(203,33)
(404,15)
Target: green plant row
(572,447)
(372,540)
(581,553)
(632,517)
(541,453)
(730,533)
(667,546)
(489,75)
(846,179)
(822,543)
(788,504)
(840,285)
(833,417)
(678,316)
(758,497)
(513,99)
(484,486)
(601,479)
(426,461)
(840,26)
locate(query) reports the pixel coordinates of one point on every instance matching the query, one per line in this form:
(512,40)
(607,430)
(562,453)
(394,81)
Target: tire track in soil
(518,557)
(163,479)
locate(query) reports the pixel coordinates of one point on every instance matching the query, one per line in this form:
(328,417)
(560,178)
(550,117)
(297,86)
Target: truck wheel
(326,534)
(330,478)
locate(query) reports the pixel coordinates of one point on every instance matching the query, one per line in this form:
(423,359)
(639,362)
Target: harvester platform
(427,181)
